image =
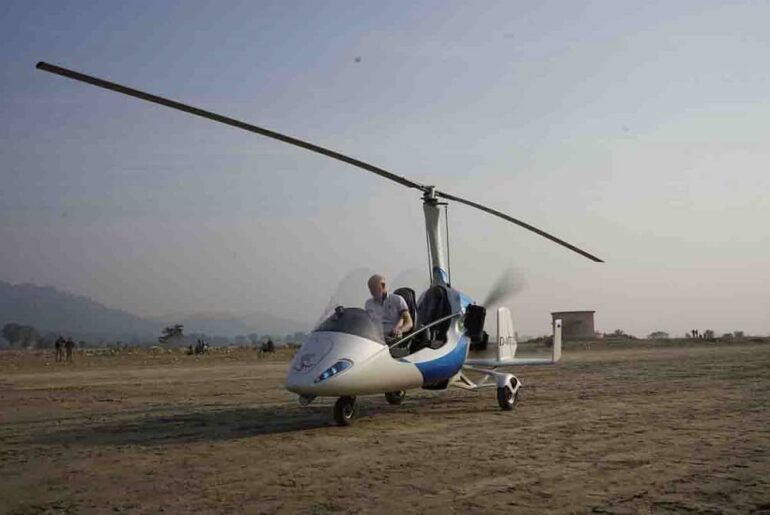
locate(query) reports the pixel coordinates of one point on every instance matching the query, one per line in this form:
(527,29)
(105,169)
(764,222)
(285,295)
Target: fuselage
(347,355)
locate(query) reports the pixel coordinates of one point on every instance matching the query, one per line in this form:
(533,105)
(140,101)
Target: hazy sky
(636,130)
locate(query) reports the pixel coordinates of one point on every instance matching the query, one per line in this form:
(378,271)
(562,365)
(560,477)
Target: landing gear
(508,395)
(345,410)
(395,397)
(508,385)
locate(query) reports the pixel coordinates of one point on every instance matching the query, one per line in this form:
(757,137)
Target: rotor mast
(437,250)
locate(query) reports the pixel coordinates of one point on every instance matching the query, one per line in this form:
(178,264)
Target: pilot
(388,308)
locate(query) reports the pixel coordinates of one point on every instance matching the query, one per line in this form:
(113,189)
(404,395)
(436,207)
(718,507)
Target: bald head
(377,286)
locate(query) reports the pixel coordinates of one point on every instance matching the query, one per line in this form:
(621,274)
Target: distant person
(388,309)
(59,346)
(268,346)
(201,347)
(68,346)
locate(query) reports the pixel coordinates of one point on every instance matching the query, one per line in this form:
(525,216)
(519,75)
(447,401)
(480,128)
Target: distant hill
(50,310)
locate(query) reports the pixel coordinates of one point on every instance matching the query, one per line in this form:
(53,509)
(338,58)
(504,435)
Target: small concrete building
(575,325)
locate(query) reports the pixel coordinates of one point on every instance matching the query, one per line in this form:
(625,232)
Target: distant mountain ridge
(48,309)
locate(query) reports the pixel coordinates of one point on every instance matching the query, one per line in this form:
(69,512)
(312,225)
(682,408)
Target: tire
(506,398)
(395,398)
(345,410)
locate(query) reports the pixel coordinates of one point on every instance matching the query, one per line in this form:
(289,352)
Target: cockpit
(434,307)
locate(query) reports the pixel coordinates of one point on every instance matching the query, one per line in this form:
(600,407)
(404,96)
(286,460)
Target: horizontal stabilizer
(505,357)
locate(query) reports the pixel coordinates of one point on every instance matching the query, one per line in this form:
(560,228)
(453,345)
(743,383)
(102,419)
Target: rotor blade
(227,121)
(520,223)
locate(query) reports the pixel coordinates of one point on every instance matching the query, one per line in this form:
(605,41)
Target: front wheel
(395,397)
(345,411)
(506,397)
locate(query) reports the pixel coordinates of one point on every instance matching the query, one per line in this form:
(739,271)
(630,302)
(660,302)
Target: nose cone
(307,360)
(336,354)
(335,364)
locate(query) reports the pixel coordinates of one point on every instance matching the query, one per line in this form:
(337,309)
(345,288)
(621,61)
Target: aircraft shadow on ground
(205,425)
(218,424)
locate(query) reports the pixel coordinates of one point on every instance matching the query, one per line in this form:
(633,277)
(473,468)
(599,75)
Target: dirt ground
(615,430)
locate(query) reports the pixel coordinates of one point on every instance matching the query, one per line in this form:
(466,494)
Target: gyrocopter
(347,355)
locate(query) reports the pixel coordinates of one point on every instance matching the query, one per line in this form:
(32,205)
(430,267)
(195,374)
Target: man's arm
(405,324)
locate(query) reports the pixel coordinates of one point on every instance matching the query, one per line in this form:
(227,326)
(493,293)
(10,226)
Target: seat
(434,305)
(409,296)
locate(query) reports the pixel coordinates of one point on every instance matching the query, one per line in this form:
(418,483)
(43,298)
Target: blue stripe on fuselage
(465,301)
(446,366)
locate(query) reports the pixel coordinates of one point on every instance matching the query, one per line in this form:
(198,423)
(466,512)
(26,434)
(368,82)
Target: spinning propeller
(508,285)
(428,190)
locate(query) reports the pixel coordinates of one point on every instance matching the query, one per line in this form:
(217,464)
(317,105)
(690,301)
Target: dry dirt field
(609,430)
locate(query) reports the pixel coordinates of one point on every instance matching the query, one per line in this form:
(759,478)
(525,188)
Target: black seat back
(408,295)
(435,305)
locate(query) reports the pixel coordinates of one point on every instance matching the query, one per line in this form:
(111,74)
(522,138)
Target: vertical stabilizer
(556,340)
(506,336)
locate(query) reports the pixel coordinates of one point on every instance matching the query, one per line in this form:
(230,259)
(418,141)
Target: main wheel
(395,397)
(345,410)
(506,397)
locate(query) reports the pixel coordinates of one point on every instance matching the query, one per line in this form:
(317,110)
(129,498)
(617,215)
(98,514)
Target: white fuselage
(373,370)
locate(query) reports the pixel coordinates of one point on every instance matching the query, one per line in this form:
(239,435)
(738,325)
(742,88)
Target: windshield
(355,321)
(353,291)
